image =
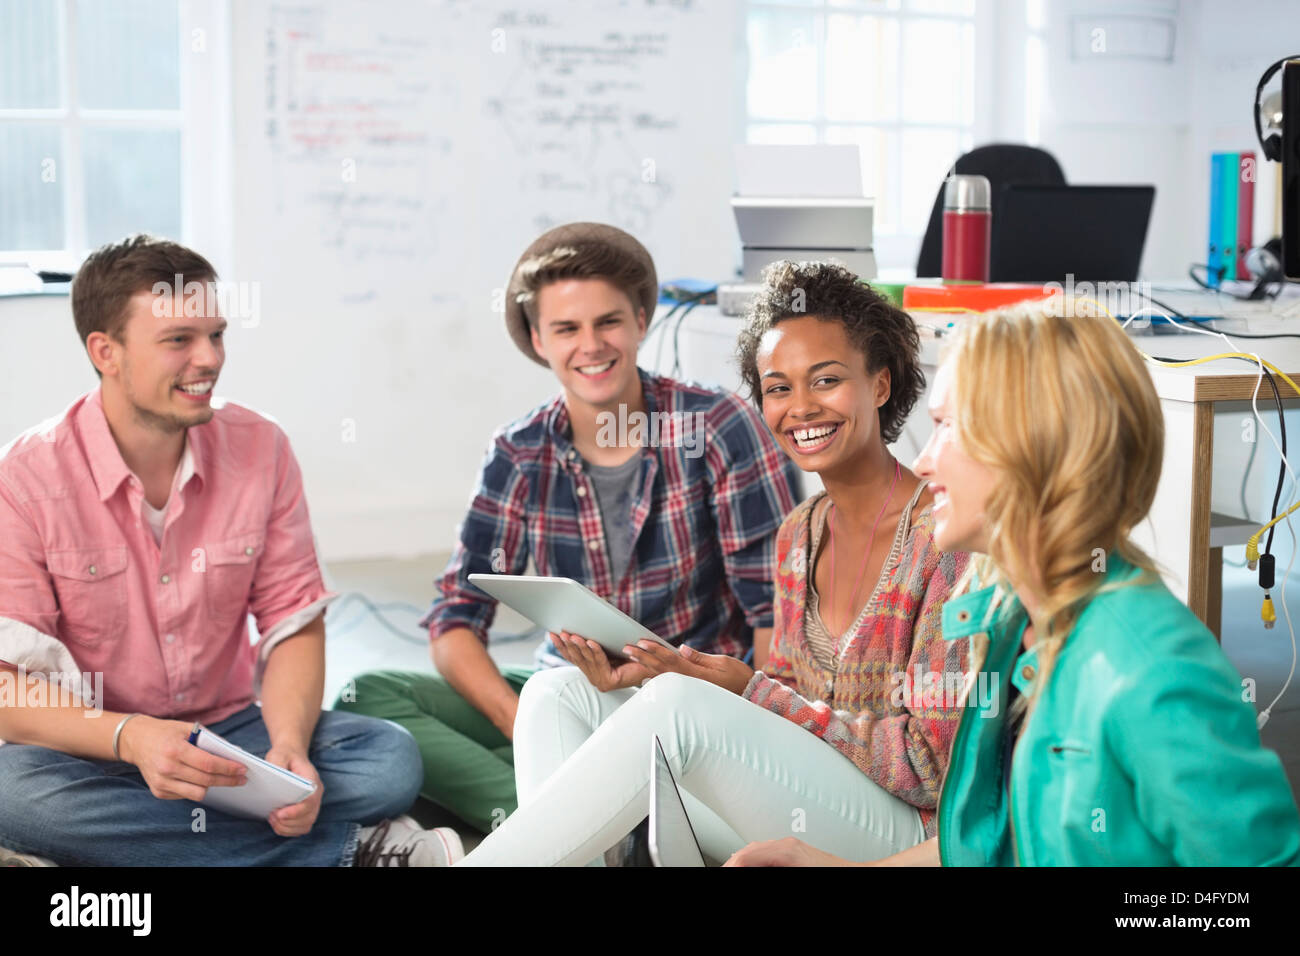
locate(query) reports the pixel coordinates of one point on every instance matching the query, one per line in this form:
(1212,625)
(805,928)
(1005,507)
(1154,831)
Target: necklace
(830,534)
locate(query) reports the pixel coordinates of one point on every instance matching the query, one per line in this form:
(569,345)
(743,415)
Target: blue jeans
(79,812)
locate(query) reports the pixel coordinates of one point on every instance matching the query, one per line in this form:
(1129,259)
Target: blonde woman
(1111,730)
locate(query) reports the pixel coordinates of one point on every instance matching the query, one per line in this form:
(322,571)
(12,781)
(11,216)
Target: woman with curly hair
(857,702)
(1116,733)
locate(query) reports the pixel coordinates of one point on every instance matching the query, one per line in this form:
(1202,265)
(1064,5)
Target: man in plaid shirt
(662,497)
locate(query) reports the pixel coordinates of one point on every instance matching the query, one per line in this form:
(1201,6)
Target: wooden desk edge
(1218,388)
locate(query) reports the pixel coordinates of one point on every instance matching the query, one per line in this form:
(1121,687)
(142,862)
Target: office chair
(1001,163)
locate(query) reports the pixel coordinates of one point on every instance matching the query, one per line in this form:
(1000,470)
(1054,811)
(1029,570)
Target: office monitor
(1049,233)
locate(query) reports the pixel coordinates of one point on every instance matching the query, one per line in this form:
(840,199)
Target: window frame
(898,246)
(202,118)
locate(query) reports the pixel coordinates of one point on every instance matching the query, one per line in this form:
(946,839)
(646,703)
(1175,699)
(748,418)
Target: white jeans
(582,770)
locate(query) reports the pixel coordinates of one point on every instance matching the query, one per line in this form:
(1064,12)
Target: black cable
(677,332)
(693,299)
(1253,296)
(1237,335)
(1281,467)
(661,324)
(1281,418)
(689,301)
(1203,283)
(666,316)
(1276,335)
(1169,309)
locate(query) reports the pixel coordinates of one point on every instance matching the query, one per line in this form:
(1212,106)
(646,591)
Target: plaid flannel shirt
(705,515)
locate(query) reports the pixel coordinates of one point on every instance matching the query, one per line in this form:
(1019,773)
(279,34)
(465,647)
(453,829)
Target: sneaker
(403,842)
(14,858)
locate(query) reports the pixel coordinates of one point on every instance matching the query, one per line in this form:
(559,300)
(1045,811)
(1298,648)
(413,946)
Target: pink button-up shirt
(84,586)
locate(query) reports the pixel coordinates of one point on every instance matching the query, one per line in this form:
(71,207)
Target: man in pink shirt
(139,530)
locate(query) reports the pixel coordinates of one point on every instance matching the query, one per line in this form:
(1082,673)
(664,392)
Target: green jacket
(1141,751)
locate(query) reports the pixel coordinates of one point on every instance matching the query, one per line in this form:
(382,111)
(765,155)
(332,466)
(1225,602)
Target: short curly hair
(884,334)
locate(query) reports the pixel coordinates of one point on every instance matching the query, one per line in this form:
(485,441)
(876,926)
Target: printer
(799,203)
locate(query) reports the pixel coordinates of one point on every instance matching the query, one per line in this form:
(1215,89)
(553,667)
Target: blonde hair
(1054,398)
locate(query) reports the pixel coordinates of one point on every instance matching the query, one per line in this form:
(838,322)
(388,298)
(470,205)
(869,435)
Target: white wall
(1234,44)
(1110,119)
(1116,120)
(42,364)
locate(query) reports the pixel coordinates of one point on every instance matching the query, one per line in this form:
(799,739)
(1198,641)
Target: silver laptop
(672,838)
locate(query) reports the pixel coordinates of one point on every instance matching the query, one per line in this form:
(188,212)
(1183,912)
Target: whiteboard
(392,161)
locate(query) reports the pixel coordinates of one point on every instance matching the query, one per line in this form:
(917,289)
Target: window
(896,77)
(91,123)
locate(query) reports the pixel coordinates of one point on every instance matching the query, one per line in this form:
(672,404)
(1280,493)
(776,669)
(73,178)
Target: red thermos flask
(967,229)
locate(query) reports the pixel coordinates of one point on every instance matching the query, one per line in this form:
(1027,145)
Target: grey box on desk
(734,297)
(862,262)
(805,228)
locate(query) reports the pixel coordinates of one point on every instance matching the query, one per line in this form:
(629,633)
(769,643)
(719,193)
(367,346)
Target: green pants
(468,764)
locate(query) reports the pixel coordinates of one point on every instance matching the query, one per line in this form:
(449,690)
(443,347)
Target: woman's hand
(590,658)
(727,672)
(784,852)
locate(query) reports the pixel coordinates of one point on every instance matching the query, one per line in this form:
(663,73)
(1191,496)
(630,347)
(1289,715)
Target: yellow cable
(1252,545)
(1222,355)
(1267,613)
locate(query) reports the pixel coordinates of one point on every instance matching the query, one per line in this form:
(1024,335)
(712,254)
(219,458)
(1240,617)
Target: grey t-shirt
(615,488)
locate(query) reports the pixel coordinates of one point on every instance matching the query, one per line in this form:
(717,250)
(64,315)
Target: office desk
(1183,533)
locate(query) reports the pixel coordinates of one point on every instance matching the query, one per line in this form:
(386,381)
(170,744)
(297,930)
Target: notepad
(268,787)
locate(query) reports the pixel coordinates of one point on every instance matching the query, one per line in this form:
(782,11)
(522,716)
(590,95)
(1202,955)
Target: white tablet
(562,604)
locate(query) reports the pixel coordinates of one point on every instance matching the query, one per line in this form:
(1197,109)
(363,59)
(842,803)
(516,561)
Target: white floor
(1264,655)
(357,640)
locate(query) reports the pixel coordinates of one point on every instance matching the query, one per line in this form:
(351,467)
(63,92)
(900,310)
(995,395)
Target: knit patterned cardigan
(893,704)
